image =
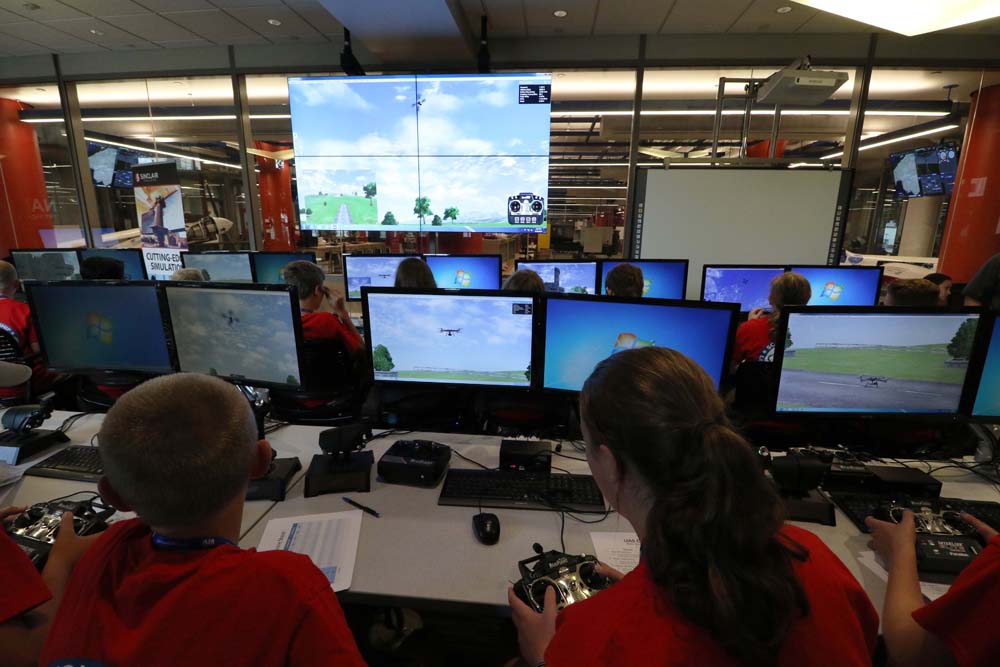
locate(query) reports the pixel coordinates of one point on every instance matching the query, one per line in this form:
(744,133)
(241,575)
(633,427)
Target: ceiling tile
(230,4)
(174,5)
(110,36)
(47,10)
(824,22)
(292,24)
(700,16)
(216,26)
(9,17)
(184,43)
(318,17)
(152,28)
(631,17)
(105,7)
(990,26)
(54,40)
(762,16)
(18,47)
(506,17)
(578,21)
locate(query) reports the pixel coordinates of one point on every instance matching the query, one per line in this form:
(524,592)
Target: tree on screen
(436,221)
(381,359)
(370,191)
(389,219)
(451,213)
(960,346)
(422,208)
(788,338)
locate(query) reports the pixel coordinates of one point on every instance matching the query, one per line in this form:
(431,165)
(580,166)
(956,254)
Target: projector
(800,86)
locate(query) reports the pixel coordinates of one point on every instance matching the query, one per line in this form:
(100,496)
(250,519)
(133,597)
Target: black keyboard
(77,462)
(520,490)
(857,506)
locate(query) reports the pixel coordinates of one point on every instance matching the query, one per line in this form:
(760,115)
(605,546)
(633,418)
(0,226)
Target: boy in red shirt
(755,337)
(956,629)
(172,587)
(307,279)
(15,319)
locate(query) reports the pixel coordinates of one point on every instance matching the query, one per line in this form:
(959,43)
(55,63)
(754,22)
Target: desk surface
(420,554)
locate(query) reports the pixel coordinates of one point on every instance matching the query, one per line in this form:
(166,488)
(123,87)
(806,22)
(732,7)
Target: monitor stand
(339,473)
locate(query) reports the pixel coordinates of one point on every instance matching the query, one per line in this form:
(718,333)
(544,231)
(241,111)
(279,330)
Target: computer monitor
(371,271)
(479,338)
(220,267)
(747,285)
(873,360)
(268,267)
(245,333)
(580,331)
(842,285)
(465,271)
(663,278)
(565,276)
(46,264)
(95,327)
(987,398)
(135,269)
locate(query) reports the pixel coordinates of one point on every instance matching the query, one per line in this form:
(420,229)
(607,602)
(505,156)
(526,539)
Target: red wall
(24,202)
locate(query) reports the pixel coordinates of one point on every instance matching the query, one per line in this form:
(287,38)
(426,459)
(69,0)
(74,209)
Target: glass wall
(39,205)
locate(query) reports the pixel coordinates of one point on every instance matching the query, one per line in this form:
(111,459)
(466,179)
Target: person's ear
(262,459)
(110,496)
(608,464)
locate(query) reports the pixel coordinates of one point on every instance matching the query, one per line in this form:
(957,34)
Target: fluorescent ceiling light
(796,165)
(588,164)
(936,130)
(140,119)
(910,17)
(146,149)
(588,187)
(739,112)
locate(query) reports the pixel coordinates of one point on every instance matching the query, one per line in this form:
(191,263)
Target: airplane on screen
(871,380)
(230,318)
(451,332)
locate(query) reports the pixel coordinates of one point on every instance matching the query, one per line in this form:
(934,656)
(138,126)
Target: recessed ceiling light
(909,17)
(560,13)
(95,31)
(783,10)
(274,21)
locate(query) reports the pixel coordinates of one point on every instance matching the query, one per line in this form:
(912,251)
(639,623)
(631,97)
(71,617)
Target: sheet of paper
(618,550)
(330,540)
(931,591)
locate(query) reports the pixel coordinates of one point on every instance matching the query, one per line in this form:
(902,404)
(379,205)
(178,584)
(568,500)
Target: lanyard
(187,544)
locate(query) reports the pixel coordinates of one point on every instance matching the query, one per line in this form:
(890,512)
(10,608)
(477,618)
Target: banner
(161,217)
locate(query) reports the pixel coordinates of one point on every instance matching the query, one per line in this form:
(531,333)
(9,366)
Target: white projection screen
(735,216)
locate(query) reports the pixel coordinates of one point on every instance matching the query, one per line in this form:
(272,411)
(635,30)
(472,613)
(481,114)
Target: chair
(333,387)
(12,352)
(755,386)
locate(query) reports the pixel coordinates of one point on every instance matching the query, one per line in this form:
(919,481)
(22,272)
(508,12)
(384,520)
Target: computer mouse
(486,526)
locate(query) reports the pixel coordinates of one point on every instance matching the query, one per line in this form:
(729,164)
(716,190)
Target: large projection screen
(730,216)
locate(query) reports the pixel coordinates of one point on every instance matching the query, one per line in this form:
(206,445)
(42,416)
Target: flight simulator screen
(46,264)
(579,333)
(988,397)
(101,327)
(269,266)
(442,153)
(369,270)
(842,286)
(925,171)
(235,333)
(875,362)
(748,286)
(132,259)
(224,267)
(565,277)
(662,280)
(451,338)
(472,272)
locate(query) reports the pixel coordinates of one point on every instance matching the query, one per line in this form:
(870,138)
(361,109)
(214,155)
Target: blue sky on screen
(880,329)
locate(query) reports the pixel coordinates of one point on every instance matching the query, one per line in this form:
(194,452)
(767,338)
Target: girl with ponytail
(755,337)
(723,581)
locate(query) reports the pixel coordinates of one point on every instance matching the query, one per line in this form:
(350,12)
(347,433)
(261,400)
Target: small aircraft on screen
(871,380)
(385,275)
(450,332)
(230,318)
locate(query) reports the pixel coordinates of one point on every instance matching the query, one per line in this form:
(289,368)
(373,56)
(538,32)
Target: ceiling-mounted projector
(800,85)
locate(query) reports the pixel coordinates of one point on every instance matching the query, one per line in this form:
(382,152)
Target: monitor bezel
(602,262)
(344,257)
(878,292)
(498,257)
(142,260)
(779,357)
(254,254)
(704,275)
(248,253)
(249,287)
(733,308)
(977,367)
(536,331)
(32,285)
(595,262)
(13,260)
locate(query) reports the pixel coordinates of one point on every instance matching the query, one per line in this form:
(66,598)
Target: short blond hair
(8,276)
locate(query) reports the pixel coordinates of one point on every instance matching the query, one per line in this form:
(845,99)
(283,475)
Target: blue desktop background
(482,272)
(269,266)
(748,287)
(132,259)
(988,398)
(574,278)
(664,280)
(858,287)
(223,267)
(101,327)
(579,334)
(371,270)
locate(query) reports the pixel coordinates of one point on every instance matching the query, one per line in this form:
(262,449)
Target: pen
(361,507)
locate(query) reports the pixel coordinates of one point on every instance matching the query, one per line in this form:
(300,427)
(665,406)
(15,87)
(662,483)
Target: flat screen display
(135,269)
(565,277)
(222,267)
(749,286)
(268,267)
(465,271)
(842,285)
(369,271)
(663,279)
(46,264)
(988,397)
(925,171)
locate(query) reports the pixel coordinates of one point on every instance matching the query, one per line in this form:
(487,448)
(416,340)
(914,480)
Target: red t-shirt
(632,623)
(753,341)
(965,617)
(21,587)
(129,604)
(327,326)
(15,319)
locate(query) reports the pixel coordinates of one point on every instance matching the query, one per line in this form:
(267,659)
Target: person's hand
(611,573)
(756,313)
(69,547)
(534,630)
(8,513)
(337,301)
(984,530)
(893,540)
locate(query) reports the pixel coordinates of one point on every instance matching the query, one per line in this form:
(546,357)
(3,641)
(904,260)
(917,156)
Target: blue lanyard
(189,544)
